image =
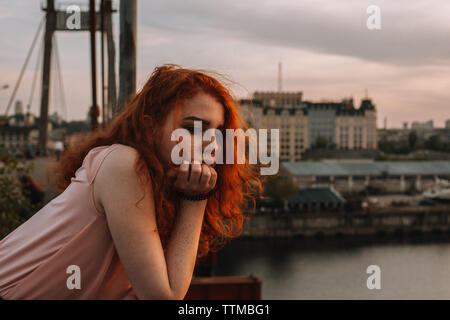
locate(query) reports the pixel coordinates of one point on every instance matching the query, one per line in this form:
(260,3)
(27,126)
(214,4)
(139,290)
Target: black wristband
(194,198)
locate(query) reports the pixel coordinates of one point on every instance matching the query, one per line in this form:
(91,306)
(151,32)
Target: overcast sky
(325,47)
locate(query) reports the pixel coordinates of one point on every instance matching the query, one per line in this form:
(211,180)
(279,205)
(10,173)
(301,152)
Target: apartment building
(308,124)
(279,99)
(293,126)
(292,123)
(356,128)
(321,123)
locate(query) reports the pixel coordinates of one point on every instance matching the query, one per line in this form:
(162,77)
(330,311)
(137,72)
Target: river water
(337,268)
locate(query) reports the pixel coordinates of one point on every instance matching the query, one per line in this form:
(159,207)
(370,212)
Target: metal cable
(38,31)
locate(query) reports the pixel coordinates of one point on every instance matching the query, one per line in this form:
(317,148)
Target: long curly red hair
(137,126)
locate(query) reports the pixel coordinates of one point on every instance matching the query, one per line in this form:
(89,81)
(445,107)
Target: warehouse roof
(317,195)
(393,168)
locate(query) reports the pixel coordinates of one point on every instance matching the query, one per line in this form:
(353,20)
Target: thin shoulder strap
(94,159)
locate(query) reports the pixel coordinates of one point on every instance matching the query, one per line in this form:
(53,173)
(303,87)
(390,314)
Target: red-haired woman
(130,223)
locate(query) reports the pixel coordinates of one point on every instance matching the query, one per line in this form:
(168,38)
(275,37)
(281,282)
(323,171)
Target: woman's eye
(191,129)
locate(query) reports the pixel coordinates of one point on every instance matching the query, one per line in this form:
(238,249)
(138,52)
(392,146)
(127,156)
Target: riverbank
(408,220)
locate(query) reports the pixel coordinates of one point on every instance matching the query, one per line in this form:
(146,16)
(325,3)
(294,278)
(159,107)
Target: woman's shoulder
(121,157)
(125,150)
(116,153)
(117,176)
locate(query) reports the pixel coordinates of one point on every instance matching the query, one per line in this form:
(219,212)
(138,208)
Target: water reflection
(412,268)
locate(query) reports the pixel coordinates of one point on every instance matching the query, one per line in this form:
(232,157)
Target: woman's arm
(183,244)
(153,274)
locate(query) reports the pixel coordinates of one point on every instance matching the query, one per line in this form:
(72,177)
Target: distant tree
(76,126)
(381,157)
(386,146)
(434,143)
(420,145)
(279,188)
(15,203)
(321,142)
(390,147)
(412,140)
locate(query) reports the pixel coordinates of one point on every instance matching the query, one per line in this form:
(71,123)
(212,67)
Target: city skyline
(328,54)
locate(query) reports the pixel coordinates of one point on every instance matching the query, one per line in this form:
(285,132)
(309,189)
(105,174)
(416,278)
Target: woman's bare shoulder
(117,174)
(122,155)
(119,163)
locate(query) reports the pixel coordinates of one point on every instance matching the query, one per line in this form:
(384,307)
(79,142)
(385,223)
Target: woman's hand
(200,179)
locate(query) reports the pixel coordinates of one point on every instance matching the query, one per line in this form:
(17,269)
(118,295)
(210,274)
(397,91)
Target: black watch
(194,198)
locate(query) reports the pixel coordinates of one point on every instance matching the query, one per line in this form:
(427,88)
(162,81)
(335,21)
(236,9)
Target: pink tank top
(68,231)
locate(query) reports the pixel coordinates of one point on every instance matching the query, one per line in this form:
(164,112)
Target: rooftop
(317,195)
(393,168)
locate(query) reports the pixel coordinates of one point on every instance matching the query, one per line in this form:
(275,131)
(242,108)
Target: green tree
(76,126)
(412,140)
(15,205)
(321,142)
(386,146)
(434,143)
(279,188)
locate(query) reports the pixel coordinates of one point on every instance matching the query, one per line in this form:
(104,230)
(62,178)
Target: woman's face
(201,107)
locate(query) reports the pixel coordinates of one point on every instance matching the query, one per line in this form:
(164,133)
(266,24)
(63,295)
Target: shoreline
(397,222)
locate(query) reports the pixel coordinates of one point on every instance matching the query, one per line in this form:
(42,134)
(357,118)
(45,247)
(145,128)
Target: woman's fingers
(196,172)
(194,178)
(183,175)
(206,175)
(213,179)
